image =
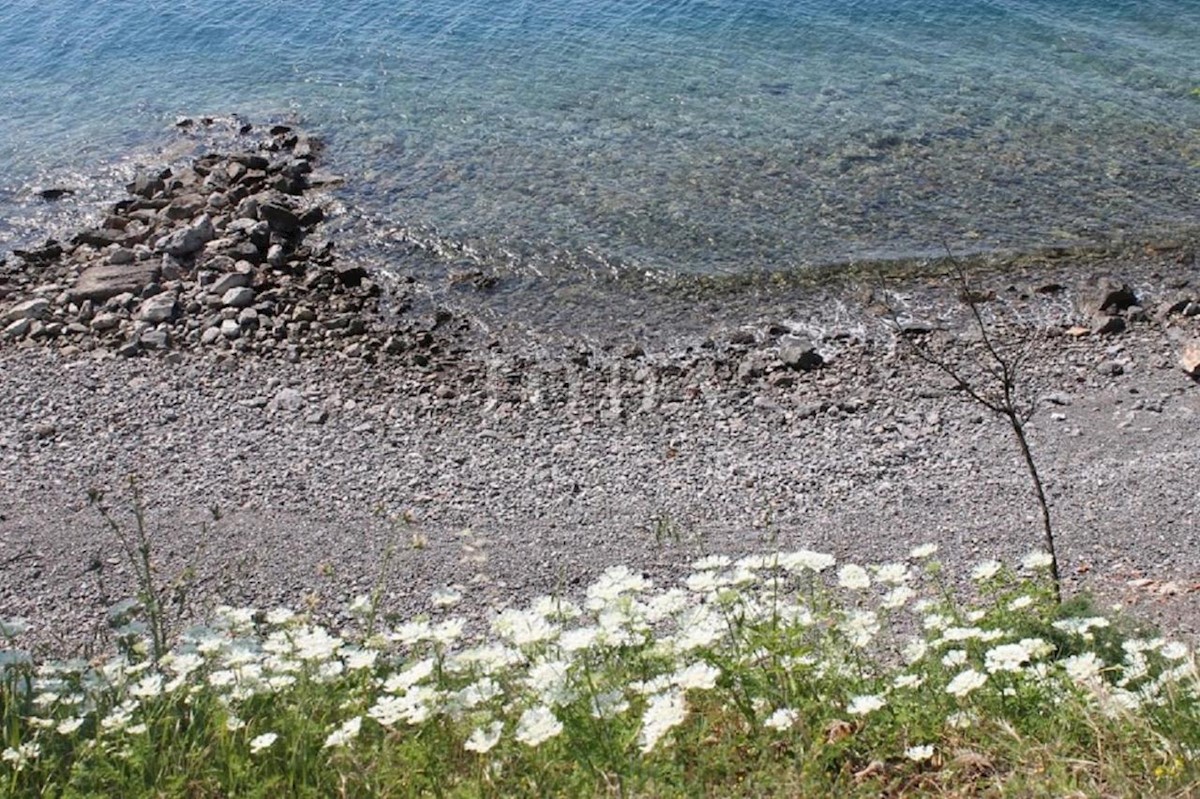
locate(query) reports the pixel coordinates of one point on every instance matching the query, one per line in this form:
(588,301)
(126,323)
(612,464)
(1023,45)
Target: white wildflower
(524,627)
(1020,603)
(68,726)
(1006,657)
(961,720)
(280,616)
(697,676)
(663,713)
(359,659)
(966,682)
(919,754)
(609,704)
(853,577)
(862,705)
(985,570)
(955,657)
(578,638)
(897,597)
(908,681)
(447,632)
(1173,650)
(344,734)
(261,742)
(893,573)
(483,739)
(402,681)
(1083,668)
(446,597)
(233,723)
(923,551)
(806,559)
(711,562)
(148,687)
(860,627)
(914,650)
(537,725)
(782,719)
(1037,559)
(615,581)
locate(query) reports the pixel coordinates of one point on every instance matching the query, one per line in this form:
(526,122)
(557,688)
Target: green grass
(776,675)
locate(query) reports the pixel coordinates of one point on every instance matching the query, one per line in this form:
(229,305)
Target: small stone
(210,335)
(231,280)
(155,340)
(1078,331)
(188,240)
(44,430)
(105,320)
(230,329)
(121,255)
(281,219)
(287,399)
(18,329)
(241,297)
(1110,368)
(1109,326)
(1190,360)
(30,309)
(318,416)
(130,349)
(248,317)
(799,354)
(159,308)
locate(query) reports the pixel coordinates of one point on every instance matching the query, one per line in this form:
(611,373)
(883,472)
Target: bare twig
(1002,398)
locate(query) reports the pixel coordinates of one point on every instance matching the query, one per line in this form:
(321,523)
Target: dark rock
(231,280)
(146,184)
(99,283)
(799,354)
(1109,326)
(99,238)
(1106,296)
(185,207)
(130,349)
(45,255)
(18,329)
(35,308)
(155,340)
(50,195)
(240,297)
(281,219)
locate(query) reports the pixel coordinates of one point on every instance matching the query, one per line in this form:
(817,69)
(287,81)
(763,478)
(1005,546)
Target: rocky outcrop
(220,254)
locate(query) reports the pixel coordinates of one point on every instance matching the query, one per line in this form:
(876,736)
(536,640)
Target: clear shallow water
(568,138)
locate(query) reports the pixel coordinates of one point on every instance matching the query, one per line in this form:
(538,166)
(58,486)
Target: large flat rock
(98,283)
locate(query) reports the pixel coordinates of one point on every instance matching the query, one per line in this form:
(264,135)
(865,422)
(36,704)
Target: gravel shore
(284,482)
(292,418)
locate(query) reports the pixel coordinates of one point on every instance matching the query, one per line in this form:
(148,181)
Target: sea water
(588,138)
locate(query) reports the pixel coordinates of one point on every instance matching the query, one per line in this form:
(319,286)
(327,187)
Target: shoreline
(564,458)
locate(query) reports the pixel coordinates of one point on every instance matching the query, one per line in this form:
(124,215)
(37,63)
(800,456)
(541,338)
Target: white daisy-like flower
(893,574)
(523,627)
(484,739)
(68,726)
(897,597)
(148,687)
(1083,668)
(965,682)
(615,581)
(1020,603)
(280,616)
(806,560)
(703,582)
(344,734)
(445,597)
(862,705)
(853,577)
(361,604)
(697,676)
(233,723)
(537,725)
(413,674)
(261,742)
(1006,657)
(908,681)
(711,562)
(1037,559)
(914,650)
(919,754)
(860,627)
(923,551)
(985,570)
(663,713)
(961,720)
(609,704)
(359,659)
(955,657)
(782,719)
(1173,650)
(447,632)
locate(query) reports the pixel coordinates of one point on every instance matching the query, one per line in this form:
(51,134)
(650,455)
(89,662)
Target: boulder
(18,329)
(30,309)
(1106,296)
(282,220)
(799,354)
(99,283)
(231,280)
(159,308)
(241,297)
(188,240)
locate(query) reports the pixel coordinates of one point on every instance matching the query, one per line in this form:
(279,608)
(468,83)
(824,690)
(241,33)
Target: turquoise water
(596,137)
